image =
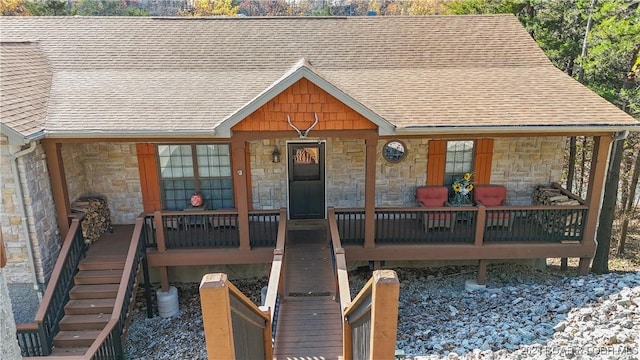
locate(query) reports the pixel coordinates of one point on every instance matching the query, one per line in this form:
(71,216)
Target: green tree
(107,8)
(47,8)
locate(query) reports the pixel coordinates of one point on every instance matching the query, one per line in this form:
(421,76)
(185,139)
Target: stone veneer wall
(73,161)
(518,163)
(522,163)
(269,180)
(111,170)
(396,183)
(41,216)
(345,169)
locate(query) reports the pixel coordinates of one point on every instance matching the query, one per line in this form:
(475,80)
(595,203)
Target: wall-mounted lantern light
(275,155)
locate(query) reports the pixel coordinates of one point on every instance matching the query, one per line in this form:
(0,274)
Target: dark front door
(306,181)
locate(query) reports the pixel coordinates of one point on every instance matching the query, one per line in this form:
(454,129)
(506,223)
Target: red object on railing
(196,199)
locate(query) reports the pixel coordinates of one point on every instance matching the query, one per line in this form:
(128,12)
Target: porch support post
(597,177)
(370,192)
(162,247)
(240,185)
(481,219)
(482,272)
(58,185)
(164,278)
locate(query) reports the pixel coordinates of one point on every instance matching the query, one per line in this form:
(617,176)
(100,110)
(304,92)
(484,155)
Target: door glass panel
(306,165)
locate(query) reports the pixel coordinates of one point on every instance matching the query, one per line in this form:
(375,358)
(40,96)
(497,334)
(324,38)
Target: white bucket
(168,302)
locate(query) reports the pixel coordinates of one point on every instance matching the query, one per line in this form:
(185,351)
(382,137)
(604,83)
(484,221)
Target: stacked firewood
(97,217)
(553,221)
(545,195)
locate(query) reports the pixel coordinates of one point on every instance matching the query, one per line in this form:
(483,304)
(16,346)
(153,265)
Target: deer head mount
(303,134)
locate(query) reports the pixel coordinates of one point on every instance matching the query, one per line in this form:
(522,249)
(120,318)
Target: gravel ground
(523,313)
(24,302)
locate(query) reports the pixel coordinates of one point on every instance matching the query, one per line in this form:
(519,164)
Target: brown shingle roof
(25,80)
(140,74)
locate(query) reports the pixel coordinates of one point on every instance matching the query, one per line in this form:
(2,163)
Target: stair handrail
(340,265)
(51,311)
(123,298)
(221,301)
(377,305)
(275,286)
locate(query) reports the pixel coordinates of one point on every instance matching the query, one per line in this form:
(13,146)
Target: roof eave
(130,134)
(13,136)
(302,71)
(515,129)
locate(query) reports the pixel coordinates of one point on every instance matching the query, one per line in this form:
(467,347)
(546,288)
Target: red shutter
(482,166)
(149,182)
(435,162)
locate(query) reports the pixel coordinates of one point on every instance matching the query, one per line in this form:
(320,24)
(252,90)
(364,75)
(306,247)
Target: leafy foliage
(13,8)
(47,8)
(107,8)
(212,8)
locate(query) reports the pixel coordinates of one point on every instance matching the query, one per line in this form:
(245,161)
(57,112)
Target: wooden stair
(90,303)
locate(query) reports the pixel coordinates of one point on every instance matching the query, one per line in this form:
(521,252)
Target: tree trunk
(583,164)
(601,259)
(629,206)
(564,263)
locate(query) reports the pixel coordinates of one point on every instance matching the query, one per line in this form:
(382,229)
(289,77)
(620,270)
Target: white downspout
(23,212)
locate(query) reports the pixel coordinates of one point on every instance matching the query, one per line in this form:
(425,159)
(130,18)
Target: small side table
(196,220)
(462,216)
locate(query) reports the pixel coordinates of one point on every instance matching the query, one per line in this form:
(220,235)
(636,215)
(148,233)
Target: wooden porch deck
(111,245)
(309,324)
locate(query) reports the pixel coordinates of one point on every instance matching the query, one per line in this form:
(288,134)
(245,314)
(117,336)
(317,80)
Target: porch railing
(110,342)
(56,295)
(535,223)
(339,263)
(190,229)
(275,288)
(234,327)
(466,225)
(350,224)
(211,228)
(264,227)
(371,319)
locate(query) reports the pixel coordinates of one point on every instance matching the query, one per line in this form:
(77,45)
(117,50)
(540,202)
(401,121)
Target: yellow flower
(457,187)
(469,187)
(467,176)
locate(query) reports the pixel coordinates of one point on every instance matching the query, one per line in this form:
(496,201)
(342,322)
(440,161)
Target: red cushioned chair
(493,195)
(435,196)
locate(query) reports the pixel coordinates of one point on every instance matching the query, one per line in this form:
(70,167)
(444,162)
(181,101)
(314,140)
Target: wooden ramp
(309,321)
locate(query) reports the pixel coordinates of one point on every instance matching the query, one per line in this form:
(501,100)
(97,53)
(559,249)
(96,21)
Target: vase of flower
(462,188)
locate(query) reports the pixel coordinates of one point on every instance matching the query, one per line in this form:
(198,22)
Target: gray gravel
(523,313)
(24,302)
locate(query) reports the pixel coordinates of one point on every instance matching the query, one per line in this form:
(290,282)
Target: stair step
(69,351)
(98,277)
(104,262)
(84,322)
(75,339)
(99,291)
(89,306)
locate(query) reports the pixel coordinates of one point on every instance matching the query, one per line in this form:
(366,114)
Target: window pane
(459,160)
(177,172)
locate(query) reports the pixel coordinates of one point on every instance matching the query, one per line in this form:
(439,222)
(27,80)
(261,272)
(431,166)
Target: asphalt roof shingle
(25,81)
(131,74)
